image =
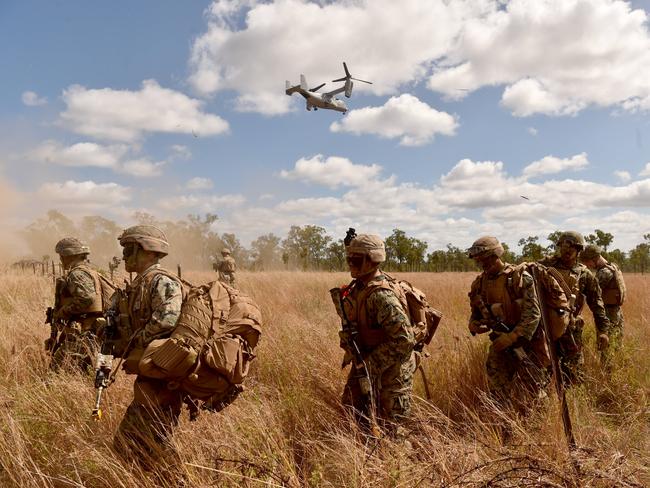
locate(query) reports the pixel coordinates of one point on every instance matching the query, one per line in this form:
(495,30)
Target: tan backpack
(212,345)
(424,318)
(614,292)
(107,289)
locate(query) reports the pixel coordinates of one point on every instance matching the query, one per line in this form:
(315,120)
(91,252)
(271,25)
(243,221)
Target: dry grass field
(288,429)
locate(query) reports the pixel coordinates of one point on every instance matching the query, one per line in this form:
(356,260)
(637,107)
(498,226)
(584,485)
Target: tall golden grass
(288,428)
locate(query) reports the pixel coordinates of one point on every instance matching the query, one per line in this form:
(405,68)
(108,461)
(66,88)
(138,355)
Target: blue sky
(179,107)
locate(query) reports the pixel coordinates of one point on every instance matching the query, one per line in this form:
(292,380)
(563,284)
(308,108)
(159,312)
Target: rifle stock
(104,362)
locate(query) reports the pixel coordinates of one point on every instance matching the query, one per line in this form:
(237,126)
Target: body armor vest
(355,307)
(96,306)
(571,279)
(139,293)
(500,291)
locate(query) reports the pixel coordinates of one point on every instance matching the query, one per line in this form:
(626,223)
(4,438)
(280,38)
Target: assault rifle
(55,324)
(348,335)
(104,362)
(555,363)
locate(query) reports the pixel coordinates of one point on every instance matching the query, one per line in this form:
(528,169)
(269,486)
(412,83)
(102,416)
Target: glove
(603,341)
(504,340)
(476,327)
(49,343)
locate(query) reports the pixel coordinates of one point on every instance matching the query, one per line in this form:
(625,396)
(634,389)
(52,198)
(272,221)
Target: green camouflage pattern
(605,275)
(571,343)
(511,381)
(150,418)
(80,288)
(392,364)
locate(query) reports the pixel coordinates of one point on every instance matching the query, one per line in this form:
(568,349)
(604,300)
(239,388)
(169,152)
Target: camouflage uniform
(606,276)
(77,306)
(386,341)
(509,295)
(153,303)
(584,285)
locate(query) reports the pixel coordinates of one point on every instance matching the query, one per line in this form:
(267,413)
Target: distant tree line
(196,246)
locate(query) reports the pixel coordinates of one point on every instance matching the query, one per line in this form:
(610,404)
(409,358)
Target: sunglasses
(355,260)
(129,249)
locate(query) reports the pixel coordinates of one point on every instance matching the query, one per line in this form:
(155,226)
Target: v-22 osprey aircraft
(325,100)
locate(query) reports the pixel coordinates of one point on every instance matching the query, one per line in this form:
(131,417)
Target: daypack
(614,292)
(107,290)
(424,318)
(212,345)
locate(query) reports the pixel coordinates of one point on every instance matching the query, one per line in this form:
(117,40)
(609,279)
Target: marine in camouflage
(584,285)
(516,373)
(79,305)
(154,305)
(392,363)
(226,269)
(606,276)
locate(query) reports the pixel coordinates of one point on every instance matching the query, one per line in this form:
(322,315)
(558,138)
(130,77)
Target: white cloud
(623,176)
(31,99)
(332,172)
(87,194)
(394,43)
(203,203)
(551,164)
(142,167)
(601,50)
(645,171)
(180,152)
(406,117)
(532,131)
(125,115)
(199,183)
(600,56)
(80,154)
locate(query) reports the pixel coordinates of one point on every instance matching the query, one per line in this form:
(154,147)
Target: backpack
(208,354)
(614,292)
(107,290)
(424,318)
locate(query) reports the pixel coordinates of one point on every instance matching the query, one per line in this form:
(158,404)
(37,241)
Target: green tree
(398,247)
(42,235)
(531,250)
(265,251)
(306,246)
(600,238)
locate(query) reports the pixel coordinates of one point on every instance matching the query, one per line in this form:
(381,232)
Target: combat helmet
(591,251)
(369,244)
(225,251)
(575,238)
(71,246)
(485,246)
(150,238)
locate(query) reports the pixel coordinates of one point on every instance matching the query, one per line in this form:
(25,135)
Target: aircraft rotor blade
(317,88)
(357,79)
(345,67)
(340,79)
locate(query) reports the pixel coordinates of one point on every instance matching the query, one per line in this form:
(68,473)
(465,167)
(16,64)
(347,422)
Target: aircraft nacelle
(348,88)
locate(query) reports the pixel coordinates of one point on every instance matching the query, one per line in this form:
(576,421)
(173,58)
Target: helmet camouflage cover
(591,251)
(485,246)
(575,238)
(150,238)
(71,246)
(370,245)
(225,250)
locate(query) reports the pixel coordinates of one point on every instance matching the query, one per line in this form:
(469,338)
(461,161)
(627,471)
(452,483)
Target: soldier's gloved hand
(49,343)
(603,341)
(476,327)
(504,340)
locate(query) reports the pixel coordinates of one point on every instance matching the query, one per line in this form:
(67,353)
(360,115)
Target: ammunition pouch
(167,358)
(571,341)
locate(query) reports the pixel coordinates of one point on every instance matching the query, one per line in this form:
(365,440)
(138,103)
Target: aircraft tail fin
(303,82)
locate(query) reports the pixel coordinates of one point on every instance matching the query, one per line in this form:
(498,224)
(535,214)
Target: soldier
(383,334)
(152,303)
(503,302)
(612,287)
(77,305)
(581,285)
(226,267)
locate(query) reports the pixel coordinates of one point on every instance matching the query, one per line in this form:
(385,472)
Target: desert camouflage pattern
(79,307)
(586,289)
(511,381)
(155,299)
(391,363)
(606,277)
